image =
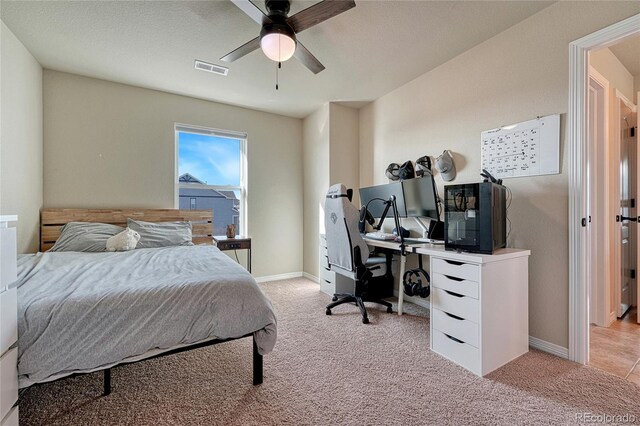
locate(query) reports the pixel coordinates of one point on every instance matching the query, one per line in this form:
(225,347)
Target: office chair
(347,252)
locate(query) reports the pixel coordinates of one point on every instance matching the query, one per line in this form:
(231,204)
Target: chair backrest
(341,229)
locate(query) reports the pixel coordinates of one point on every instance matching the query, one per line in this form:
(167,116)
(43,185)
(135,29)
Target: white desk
(479,304)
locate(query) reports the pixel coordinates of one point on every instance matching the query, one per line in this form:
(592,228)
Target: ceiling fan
(278,34)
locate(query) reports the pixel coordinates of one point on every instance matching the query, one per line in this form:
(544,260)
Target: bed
(84,312)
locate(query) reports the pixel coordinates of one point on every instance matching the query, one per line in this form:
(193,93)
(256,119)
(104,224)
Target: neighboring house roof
(188,178)
(200,192)
(229,194)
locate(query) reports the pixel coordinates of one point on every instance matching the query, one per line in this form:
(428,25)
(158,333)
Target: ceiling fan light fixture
(277,40)
(278,47)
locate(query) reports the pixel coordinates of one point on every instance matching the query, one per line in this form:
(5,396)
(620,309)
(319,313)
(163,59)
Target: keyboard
(380,236)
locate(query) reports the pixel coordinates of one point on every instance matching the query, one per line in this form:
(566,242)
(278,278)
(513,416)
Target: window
(212,175)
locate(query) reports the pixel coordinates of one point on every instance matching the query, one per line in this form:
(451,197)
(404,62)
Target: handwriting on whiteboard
(525,149)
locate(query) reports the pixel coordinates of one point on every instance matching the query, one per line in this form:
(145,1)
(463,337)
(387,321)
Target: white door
(635,135)
(626,216)
(598,201)
(625,226)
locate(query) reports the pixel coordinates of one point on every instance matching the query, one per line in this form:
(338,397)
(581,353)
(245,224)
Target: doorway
(581,231)
(614,333)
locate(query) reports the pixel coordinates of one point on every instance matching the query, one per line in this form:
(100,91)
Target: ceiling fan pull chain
(278,67)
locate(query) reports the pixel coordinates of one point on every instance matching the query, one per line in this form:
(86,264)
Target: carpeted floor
(332,370)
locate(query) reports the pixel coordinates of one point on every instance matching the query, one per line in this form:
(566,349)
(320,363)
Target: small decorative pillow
(125,240)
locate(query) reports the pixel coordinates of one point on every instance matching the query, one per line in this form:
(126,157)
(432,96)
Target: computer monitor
(383,192)
(421,197)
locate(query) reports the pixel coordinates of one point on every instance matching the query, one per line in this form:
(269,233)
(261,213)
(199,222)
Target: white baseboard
(311,277)
(278,277)
(551,348)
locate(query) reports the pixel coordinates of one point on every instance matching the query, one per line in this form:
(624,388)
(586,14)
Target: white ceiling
(368,51)
(628,53)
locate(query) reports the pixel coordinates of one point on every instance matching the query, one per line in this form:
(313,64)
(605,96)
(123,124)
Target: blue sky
(211,159)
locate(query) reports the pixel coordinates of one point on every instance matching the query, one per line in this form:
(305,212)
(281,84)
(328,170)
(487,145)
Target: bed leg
(257,364)
(107,382)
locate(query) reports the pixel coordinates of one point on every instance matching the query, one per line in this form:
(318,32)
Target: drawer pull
(454,294)
(453,262)
(454,278)
(328,282)
(453,338)
(454,316)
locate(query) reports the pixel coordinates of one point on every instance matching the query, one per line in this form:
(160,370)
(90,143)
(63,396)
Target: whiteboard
(530,148)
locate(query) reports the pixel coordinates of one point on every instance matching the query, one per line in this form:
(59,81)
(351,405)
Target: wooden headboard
(51,220)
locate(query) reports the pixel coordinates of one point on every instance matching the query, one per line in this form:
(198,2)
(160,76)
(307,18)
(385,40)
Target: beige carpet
(331,370)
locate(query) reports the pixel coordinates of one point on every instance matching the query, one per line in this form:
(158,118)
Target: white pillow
(125,240)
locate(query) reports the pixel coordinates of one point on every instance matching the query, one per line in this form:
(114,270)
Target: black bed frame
(257,359)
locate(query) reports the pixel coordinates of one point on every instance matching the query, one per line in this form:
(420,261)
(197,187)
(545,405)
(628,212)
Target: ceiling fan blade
(246,48)
(307,59)
(317,13)
(252,11)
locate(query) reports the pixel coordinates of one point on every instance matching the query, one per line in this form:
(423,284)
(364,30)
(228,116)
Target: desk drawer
(462,306)
(9,381)
(467,271)
(456,285)
(457,327)
(327,275)
(323,251)
(459,352)
(8,319)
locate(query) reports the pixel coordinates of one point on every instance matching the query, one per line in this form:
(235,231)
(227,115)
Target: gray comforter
(82,311)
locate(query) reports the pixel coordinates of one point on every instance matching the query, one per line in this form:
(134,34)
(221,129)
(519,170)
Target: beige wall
(113,145)
(607,64)
(21,139)
(345,162)
(636,89)
(515,76)
(331,149)
(316,182)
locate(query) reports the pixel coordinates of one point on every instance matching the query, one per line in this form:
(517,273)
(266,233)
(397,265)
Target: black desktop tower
(475,217)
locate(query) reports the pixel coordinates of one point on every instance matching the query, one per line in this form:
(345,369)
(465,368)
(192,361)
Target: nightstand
(237,243)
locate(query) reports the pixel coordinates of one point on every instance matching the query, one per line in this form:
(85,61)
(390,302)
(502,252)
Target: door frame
(578,186)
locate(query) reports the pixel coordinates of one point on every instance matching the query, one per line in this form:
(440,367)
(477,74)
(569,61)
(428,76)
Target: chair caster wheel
(389,310)
(334,298)
(328,312)
(365,320)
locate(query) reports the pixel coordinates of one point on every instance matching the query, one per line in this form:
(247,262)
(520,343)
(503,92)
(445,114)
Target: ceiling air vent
(216,69)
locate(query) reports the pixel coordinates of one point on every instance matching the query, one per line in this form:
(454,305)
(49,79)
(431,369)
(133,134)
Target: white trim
(278,277)
(311,277)
(577,124)
(188,128)
(551,348)
(626,101)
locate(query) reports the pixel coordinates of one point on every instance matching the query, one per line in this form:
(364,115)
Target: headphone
(412,283)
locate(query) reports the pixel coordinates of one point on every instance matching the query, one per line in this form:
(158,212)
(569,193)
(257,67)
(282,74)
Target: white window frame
(242,188)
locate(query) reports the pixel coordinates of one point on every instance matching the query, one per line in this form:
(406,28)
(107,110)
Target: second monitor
(416,197)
